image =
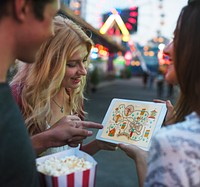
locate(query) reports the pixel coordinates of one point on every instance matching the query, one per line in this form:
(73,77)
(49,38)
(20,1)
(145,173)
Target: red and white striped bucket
(85,178)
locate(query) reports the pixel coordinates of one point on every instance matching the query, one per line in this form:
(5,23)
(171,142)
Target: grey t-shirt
(17,158)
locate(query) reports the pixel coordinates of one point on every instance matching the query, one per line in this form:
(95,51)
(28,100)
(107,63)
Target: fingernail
(90,132)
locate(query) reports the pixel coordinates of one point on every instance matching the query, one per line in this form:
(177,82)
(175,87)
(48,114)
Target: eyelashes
(75,63)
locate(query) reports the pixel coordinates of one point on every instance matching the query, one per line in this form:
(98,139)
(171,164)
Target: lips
(76,80)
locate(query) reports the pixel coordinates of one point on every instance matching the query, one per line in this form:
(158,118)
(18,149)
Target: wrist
(141,158)
(97,144)
(40,142)
(91,148)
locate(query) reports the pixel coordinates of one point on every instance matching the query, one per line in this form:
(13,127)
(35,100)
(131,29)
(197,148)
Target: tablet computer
(132,122)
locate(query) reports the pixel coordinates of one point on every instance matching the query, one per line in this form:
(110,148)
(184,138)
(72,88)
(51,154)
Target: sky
(149,15)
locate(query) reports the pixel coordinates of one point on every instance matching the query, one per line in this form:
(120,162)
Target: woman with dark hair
(174,156)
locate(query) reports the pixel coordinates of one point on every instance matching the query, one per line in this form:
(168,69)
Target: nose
(167,48)
(82,69)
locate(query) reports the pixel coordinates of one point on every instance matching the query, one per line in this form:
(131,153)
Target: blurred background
(129,35)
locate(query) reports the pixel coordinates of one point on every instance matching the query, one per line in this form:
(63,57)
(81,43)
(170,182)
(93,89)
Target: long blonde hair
(42,80)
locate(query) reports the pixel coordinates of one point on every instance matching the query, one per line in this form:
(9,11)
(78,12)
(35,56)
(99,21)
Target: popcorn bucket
(84,178)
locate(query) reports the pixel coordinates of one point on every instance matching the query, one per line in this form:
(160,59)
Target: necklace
(60,106)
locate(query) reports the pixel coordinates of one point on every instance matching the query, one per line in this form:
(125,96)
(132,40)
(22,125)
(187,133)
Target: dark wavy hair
(38,7)
(187,59)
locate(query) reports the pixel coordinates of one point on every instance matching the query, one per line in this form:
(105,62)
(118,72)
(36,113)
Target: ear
(21,7)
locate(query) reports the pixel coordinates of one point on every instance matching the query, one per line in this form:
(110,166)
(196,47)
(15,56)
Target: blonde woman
(52,88)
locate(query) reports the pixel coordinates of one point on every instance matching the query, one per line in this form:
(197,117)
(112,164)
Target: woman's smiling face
(76,68)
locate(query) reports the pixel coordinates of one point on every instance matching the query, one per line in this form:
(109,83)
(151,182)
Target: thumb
(122,146)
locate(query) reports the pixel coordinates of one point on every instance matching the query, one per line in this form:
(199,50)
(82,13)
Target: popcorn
(69,168)
(55,166)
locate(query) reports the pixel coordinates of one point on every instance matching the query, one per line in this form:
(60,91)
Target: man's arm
(64,132)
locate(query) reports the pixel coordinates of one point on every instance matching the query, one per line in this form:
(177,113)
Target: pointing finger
(89,124)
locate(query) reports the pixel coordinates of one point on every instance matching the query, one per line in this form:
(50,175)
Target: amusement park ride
(120,23)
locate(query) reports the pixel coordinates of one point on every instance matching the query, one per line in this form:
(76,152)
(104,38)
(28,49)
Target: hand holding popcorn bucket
(70,168)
